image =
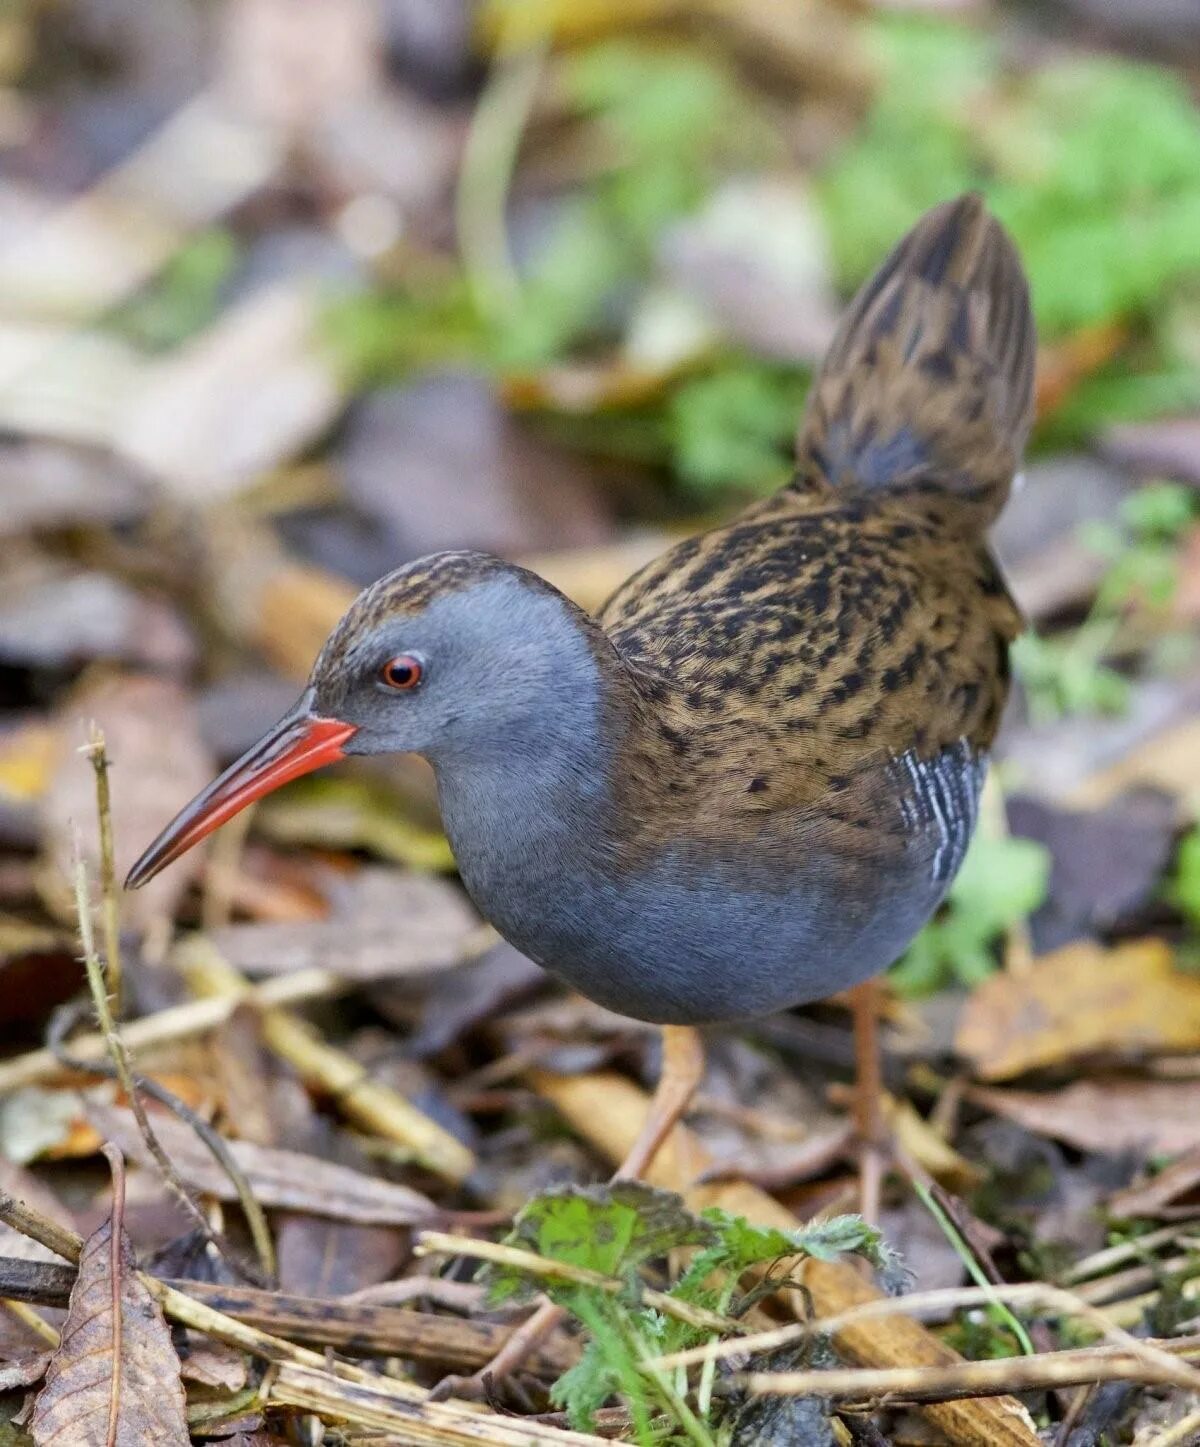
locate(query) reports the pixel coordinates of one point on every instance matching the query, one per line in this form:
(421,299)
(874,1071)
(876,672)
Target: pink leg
(868,1096)
(682,1071)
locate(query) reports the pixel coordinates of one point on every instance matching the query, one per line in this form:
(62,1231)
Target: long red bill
(299,743)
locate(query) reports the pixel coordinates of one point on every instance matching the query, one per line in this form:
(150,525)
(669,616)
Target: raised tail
(929,379)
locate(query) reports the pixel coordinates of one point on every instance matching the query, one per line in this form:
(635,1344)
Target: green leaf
(735,427)
(185,297)
(740,1245)
(1093,163)
(611,1229)
(1161,511)
(1185,887)
(1067,674)
(604,1368)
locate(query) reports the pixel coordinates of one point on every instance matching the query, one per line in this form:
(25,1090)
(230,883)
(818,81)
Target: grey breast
(688,940)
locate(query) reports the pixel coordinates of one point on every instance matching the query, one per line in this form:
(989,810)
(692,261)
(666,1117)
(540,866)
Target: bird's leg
(868,1095)
(682,1071)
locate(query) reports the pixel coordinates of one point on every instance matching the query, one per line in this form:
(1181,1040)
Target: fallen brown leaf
(320,1257)
(1081,1000)
(1111,1114)
(114,1380)
(158,764)
(1167,757)
(212,1364)
(384,924)
(277,1177)
(23,1371)
(238,399)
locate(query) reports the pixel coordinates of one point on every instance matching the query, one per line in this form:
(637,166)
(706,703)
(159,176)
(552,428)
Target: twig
(439,1243)
(1133,1309)
(1137,1249)
(362,1329)
(1118,1286)
(60,1239)
(190,1312)
(373,1106)
(1031,1294)
(178,1022)
(129,1083)
(412,1424)
(964,1379)
(30,1319)
(256,1219)
(110,910)
(1182,1434)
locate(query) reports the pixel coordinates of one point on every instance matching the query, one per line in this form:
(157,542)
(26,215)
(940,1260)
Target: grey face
(489,668)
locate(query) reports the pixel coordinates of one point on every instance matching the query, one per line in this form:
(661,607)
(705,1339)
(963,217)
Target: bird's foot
(682,1069)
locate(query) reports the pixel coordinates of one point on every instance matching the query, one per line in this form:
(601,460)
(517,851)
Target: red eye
(402,672)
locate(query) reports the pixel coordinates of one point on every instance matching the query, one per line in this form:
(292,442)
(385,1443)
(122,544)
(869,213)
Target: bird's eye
(402,672)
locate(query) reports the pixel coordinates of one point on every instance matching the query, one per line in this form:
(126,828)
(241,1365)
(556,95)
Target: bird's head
(457,656)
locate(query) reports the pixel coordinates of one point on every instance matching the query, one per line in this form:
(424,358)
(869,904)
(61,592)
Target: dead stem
(963,1379)
(372,1105)
(176,1023)
(1158,1357)
(110,910)
(129,1084)
(1183,1433)
(32,1321)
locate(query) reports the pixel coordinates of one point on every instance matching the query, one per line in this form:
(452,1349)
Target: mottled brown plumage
(789,656)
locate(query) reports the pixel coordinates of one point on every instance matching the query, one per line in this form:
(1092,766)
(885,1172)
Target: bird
(749,780)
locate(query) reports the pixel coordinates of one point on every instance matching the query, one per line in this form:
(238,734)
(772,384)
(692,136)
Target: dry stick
(255,1218)
(307,1379)
(116,1231)
(440,1243)
(119,1057)
(362,1329)
(1137,1249)
(375,1107)
(256,1221)
(1133,1309)
(1120,1284)
(965,1379)
(29,1318)
(426,1424)
(202,1318)
(262,1274)
(60,1239)
(176,1023)
(1063,1303)
(98,754)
